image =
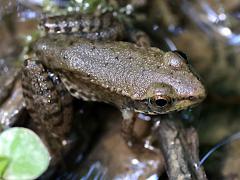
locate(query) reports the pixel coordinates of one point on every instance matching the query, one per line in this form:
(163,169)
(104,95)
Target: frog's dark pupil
(161,102)
(183,55)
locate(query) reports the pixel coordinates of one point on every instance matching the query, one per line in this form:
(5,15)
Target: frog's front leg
(128,126)
(133,141)
(48,103)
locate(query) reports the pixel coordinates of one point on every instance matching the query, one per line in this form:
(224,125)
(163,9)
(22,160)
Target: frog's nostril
(191,98)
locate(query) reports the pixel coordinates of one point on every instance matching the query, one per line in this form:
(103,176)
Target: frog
(87,57)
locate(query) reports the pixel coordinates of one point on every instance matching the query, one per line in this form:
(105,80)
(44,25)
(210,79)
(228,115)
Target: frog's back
(114,65)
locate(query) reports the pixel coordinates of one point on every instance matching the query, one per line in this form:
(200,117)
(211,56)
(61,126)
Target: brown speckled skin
(48,103)
(121,73)
(95,27)
(50,99)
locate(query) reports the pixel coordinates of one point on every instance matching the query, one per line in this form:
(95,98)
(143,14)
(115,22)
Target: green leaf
(28,156)
(4,161)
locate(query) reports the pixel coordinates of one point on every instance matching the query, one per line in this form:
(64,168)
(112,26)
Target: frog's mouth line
(191,98)
(193,101)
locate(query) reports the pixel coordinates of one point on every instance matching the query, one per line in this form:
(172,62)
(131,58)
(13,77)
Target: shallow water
(207,31)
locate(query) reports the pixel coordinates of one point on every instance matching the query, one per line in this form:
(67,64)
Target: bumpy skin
(127,75)
(46,98)
(120,73)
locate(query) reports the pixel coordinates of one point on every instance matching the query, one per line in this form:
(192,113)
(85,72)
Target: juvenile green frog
(91,67)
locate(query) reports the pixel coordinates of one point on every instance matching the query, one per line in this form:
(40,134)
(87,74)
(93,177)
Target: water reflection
(215,17)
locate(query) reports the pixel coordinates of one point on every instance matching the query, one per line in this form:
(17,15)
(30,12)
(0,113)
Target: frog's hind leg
(48,103)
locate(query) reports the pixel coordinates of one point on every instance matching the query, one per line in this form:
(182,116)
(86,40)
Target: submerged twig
(180,149)
(225,141)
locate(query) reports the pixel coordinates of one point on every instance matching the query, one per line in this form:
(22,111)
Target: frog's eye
(160,101)
(181,54)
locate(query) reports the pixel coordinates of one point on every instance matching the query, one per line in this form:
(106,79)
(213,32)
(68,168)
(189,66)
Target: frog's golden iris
(160,101)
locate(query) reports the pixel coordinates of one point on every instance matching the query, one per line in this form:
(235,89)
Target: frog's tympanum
(92,65)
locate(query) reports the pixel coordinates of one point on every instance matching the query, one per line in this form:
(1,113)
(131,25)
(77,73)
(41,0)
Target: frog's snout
(197,95)
(190,93)
(201,93)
